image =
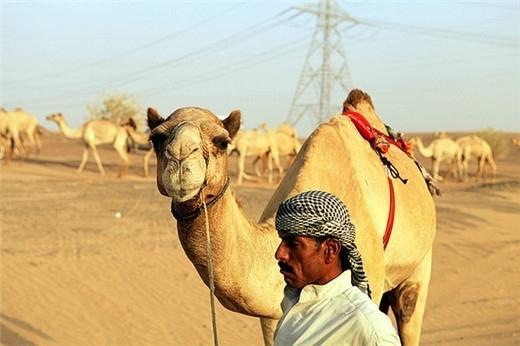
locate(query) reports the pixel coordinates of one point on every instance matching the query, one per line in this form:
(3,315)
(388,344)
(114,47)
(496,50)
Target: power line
(505,41)
(131,50)
(219,45)
(323,76)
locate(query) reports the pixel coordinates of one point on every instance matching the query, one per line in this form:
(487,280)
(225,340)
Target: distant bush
(118,108)
(497,140)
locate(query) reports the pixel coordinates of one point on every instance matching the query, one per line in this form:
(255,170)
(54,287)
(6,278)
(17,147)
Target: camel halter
(380,142)
(191,216)
(210,268)
(194,214)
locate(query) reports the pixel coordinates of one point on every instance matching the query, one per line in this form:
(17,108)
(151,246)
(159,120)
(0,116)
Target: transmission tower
(325,72)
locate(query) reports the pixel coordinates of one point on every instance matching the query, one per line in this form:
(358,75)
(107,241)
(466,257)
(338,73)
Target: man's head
(317,240)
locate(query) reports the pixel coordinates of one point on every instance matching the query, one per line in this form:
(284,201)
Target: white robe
(336,313)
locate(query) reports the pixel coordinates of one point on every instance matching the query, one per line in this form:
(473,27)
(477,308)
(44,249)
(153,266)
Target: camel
(191,150)
(474,146)
(139,138)
(516,142)
(16,125)
(94,133)
(440,149)
(255,143)
(287,142)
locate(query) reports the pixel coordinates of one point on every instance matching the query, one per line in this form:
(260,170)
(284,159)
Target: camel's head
(56,117)
(191,149)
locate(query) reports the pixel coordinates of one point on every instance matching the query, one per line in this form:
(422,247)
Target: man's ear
(154,119)
(332,249)
(232,123)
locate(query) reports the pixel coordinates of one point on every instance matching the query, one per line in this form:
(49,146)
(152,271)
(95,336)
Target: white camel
(287,142)
(17,125)
(439,150)
(94,133)
(474,146)
(255,143)
(142,138)
(191,149)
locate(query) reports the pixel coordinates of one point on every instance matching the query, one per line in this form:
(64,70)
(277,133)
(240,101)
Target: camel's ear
(232,123)
(154,119)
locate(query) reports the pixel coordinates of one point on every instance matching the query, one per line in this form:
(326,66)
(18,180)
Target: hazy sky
(428,65)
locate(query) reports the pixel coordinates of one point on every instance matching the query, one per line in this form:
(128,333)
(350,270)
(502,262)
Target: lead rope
(210,273)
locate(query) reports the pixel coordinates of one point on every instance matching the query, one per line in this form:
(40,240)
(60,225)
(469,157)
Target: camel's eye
(221,142)
(158,140)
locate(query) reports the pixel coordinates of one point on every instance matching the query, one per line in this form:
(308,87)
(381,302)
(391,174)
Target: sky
(428,65)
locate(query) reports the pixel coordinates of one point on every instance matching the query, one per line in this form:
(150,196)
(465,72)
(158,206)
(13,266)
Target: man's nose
(281,252)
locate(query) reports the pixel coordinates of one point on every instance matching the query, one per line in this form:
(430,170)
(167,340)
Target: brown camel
(474,146)
(192,167)
(94,133)
(440,149)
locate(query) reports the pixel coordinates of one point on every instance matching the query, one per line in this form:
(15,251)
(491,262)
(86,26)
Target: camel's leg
(493,166)
(436,167)
(83,160)
(37,141)
(98,160)
(263,162)
(465,169)
(480,168)
(268,328)
(145,161)
(276,160)
(17,142)
(241,169)
(241,163)
(31,133)
(408,301)
(120,147)
(269,168)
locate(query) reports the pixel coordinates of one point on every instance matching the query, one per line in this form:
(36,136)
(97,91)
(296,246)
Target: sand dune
(74,273)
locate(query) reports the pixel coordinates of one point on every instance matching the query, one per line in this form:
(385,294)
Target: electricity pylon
(325,68)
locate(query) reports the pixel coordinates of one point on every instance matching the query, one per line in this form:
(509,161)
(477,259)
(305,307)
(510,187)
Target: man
(326,300)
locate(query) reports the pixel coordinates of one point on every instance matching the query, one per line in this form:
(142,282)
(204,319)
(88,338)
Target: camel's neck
(426,152)
(68,132)
(139,137)
(239,248)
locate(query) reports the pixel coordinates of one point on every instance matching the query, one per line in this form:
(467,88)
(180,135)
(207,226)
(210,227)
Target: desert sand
(91,260)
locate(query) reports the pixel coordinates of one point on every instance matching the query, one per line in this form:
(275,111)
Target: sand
(91,260)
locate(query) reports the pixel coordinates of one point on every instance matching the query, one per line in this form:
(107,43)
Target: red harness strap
(379,142)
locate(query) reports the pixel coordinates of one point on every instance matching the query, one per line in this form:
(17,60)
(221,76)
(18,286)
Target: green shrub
(118,108)
(497,140)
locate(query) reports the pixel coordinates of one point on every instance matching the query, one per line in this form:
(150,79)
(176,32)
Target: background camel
(16,126)
(94,133)
(142,138)
(287,142)
(474,146)
(439,150)
(255,143)
(191,147)
(516,142)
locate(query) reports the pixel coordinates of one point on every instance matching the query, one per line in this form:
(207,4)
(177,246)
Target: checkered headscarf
(321,214)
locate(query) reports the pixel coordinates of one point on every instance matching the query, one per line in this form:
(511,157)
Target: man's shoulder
(369,315)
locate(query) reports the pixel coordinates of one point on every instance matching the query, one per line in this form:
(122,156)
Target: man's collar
(317,292)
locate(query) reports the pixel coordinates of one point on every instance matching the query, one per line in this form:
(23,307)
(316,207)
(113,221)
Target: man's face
(301,260)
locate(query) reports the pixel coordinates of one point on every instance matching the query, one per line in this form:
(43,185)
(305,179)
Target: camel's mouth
(183,194)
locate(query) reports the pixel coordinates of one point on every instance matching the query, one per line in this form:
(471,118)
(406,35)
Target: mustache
(285,267)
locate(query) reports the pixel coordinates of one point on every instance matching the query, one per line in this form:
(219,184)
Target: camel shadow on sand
(9,337)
